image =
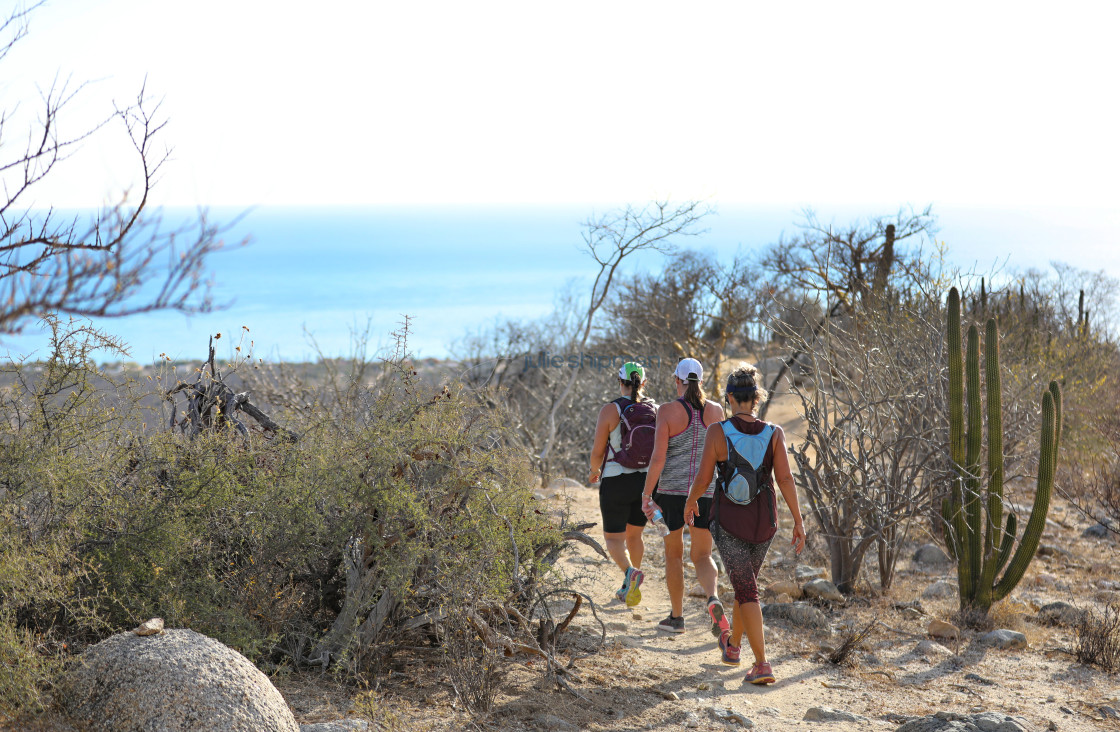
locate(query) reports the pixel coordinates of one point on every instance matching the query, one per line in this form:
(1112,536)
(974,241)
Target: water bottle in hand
(659,522)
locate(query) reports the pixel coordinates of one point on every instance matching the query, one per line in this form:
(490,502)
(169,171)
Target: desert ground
(645,679)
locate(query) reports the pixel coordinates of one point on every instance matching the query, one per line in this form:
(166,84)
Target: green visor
(629,369)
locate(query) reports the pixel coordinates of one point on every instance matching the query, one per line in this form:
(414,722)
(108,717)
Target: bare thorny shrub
(1093,484)
(544,367)
(843,270)
(1096,638)
(120,261)
(697,306)
(524,367)
(873,457)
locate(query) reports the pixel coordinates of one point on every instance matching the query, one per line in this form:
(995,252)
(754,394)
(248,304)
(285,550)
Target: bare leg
(752,616)
(634,544)
(674,570)
(616,547)
(701,554)
(738,623)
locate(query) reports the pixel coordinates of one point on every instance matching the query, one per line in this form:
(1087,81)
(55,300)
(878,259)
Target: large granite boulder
(931,554)
(172,681)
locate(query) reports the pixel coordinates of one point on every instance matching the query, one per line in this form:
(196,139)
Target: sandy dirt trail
(650,679)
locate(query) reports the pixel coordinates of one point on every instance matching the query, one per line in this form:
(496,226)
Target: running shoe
(760,674)
(634,578)
(719,619)
(620,593)
(730,653)
(671,624)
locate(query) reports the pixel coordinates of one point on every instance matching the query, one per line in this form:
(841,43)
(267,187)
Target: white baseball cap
(689,367)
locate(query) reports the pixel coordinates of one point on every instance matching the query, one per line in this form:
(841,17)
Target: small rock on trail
(1004,639)
(828,714)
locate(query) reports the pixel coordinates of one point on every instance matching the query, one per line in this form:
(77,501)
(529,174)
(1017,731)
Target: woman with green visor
(620,456)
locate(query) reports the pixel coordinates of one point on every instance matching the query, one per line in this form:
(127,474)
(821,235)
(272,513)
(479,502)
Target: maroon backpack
(637,428)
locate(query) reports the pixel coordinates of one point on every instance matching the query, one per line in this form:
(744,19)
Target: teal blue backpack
(741,477)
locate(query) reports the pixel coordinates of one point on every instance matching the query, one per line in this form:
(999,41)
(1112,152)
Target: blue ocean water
(310,278)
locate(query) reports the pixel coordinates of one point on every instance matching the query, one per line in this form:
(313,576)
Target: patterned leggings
(743,561)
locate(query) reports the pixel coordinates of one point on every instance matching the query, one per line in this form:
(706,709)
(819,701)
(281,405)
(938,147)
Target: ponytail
(694,393)
(635,384)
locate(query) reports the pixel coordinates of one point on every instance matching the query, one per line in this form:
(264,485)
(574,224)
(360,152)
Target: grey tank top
(682,458)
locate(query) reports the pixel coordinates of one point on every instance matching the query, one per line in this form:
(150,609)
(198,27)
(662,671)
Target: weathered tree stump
(213,406)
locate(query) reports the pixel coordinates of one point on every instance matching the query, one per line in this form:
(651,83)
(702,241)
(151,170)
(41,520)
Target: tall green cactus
(973,511)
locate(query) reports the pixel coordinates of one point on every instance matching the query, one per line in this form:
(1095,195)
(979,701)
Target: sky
(809,103)
(1002,116)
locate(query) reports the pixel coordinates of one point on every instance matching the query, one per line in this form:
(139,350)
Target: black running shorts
(672,507)
(620,500)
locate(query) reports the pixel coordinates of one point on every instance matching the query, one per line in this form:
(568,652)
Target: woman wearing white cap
(619,458)
(678,446)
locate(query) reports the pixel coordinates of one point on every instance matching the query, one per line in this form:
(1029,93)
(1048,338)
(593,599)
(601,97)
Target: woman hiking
(747,455)
(619,457)
(678,444)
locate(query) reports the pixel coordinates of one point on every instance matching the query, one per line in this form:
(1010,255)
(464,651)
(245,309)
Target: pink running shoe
(761,674)
(730,652)
(718,616)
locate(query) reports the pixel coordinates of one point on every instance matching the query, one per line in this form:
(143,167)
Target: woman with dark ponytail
(618,464)
(678,444)
(747,456)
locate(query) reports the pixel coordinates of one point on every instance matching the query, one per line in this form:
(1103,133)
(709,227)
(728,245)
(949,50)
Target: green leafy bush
(397,501)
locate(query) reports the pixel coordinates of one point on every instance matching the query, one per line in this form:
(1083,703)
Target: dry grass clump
(852,641)
(476,672)
(372,707)
(973,619)
(1009,615)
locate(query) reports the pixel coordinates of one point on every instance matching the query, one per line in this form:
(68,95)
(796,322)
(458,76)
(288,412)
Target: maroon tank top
(756,522)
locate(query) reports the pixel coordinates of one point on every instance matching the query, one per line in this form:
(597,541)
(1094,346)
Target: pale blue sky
(1003,115)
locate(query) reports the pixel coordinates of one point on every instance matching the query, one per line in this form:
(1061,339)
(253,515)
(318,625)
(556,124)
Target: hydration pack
(741,477)
(637,428)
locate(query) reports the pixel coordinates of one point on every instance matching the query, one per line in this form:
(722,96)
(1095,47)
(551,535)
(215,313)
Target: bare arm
(715,449)
(608,420)
(660,448)
(784,478)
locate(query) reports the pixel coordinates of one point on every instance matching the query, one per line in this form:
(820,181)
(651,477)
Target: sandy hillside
(646,679)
